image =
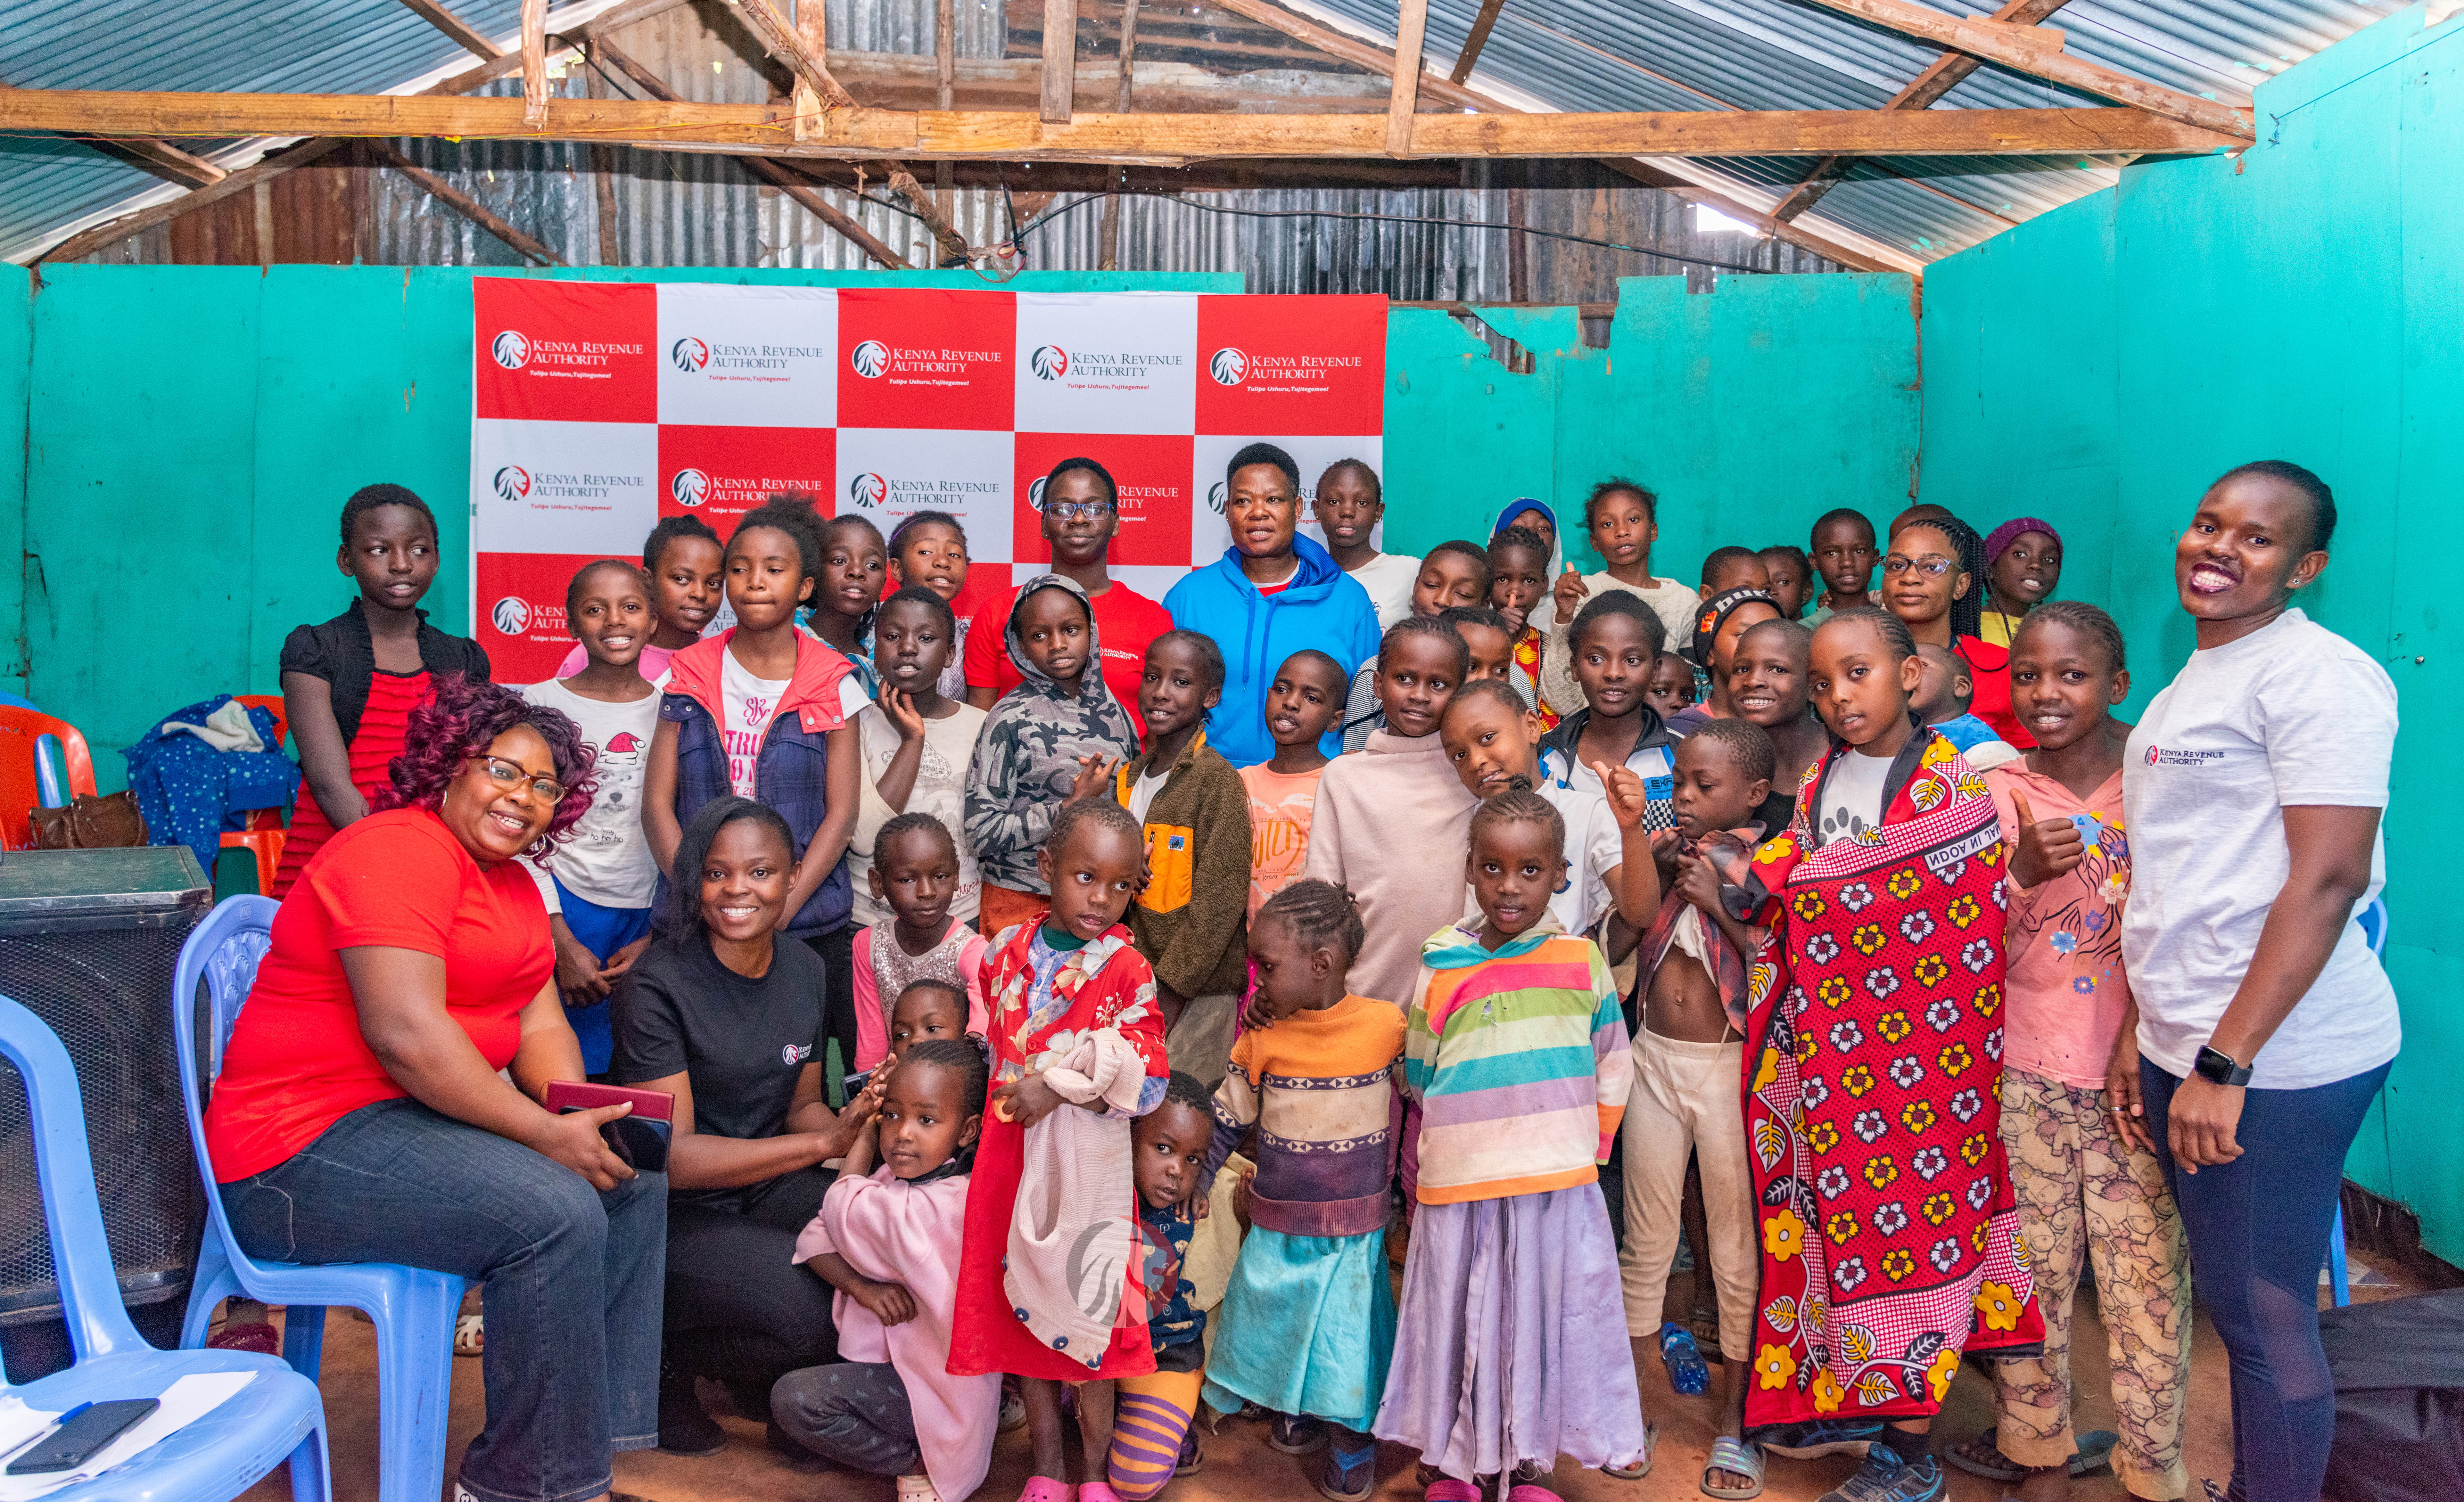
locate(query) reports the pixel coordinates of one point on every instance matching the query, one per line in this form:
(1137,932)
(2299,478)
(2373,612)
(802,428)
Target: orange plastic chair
(19,730)
(264,834)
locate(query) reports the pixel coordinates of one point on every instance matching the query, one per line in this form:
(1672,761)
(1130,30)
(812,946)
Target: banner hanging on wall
(599,407)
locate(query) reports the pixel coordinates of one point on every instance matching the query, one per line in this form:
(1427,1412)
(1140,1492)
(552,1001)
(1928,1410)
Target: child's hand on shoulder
(1027,1100)
(888,1302)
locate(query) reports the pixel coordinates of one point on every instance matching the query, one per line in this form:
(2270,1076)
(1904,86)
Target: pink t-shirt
(652,667)
(2067,992)
(1280,805)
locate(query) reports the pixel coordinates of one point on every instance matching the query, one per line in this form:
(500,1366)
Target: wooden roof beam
(1410,28)
(2036,50)
(1480,25)
(462,203)
(1011,134)
(1943,74)
(165,161)
(464,35)
(783,42)
(602,50)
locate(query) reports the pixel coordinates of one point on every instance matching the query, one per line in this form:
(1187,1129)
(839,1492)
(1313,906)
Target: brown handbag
(88,823)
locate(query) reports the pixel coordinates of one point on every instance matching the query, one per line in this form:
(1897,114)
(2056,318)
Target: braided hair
(1897,639)
(974,1071)
(2085,619)
(1429,626)
(1318,912)
(912,822)
(1968,611)
(1098,808)
(1520,805)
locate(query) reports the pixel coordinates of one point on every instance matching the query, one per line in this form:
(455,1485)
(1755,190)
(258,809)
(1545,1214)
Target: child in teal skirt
(1308,1322)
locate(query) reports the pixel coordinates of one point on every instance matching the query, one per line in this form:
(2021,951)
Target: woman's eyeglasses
(510,775)
(1934,563)
(1073,509)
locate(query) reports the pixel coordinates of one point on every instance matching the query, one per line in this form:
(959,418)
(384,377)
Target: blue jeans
(2257,1229)
(571,1276)
(602,931)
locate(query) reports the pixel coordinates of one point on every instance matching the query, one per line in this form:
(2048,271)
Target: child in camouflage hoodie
(1056,736)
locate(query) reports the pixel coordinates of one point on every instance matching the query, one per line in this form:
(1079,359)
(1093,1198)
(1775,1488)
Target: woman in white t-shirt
(2251,790)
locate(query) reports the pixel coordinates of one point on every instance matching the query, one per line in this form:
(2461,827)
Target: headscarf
(1714,612)
(1556,533)
(2011,531)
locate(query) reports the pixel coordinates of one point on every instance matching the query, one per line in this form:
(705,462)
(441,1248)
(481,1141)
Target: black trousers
(737,1311)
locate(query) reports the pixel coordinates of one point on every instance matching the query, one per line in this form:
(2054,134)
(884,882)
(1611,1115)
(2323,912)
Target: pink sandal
(1532,1491)
(1043,1488)
(1446,1488)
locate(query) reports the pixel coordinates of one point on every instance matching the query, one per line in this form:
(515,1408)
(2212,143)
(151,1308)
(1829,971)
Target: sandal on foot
(917,1489)
(1688,1372)
(1446,1488)
(471,1335)
(1734,1455)
(1013,1409)
(1043,1488)
(1297,1434)
(1642,1467)
(1192,1458)
(1982,1456)
(1097,1492)
(1347,1477)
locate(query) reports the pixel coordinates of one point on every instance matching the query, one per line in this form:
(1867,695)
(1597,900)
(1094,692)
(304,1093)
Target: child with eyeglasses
(1080,515)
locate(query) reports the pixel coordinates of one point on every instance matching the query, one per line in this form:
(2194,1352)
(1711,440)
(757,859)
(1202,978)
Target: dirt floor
(1241,1465)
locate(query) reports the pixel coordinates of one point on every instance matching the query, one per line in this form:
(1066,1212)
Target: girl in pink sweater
(888,1240)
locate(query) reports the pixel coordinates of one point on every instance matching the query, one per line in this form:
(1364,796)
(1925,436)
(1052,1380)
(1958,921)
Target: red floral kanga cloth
(1873,1104)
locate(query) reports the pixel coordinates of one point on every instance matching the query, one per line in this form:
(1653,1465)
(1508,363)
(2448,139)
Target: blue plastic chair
(2373,921)
(412,1307)
(276,1417)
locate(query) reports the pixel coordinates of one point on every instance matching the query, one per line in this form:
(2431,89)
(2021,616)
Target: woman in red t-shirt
(360,1116)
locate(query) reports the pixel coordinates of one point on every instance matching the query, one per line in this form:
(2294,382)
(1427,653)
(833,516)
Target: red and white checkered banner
(599,407)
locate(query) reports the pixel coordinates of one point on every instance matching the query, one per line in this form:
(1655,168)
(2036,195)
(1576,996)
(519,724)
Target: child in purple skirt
(1511,1348)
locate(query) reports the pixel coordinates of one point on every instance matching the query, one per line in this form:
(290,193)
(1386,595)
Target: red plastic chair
(19,730)
(264,834)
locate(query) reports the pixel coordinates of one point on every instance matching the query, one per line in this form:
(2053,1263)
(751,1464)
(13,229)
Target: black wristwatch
(2215,1064)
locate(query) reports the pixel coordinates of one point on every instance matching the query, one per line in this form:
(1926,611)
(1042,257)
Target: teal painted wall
(2101,365)
(194,431)
(17,340)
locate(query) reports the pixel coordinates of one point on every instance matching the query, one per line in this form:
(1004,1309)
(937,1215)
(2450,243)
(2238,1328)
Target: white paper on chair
(183,1403)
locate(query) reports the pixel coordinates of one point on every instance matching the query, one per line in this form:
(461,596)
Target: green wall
(16,337)
(2101,365)
(193,431)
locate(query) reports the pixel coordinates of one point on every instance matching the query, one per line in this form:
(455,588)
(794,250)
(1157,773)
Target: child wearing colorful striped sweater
(1511,1347)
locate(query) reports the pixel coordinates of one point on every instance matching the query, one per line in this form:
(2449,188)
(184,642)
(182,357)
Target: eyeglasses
(510,775)
(1934,563)
(1073,509)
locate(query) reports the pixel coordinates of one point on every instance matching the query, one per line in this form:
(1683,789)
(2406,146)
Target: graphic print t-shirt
(1852,804)
(751,703)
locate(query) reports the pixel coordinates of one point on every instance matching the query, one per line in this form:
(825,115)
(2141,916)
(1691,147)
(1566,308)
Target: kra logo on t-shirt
(791,1055)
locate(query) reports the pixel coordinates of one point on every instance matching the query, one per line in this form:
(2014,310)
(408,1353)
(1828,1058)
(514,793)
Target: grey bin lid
(136,886)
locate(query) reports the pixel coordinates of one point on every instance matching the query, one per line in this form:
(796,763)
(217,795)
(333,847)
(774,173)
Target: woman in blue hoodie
(1272,593)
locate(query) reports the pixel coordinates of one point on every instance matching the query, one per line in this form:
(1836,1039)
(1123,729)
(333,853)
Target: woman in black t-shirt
(731,1022)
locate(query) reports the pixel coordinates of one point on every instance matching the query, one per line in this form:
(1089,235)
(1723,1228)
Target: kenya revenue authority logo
(1049,362)
(1229,366)
(867,490)
(512,615)
(690,487)
(1035,494)
(511,350)
(870,359)
(513,482)
(689,354)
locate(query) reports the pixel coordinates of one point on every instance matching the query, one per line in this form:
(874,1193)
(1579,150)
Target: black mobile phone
(82,1435)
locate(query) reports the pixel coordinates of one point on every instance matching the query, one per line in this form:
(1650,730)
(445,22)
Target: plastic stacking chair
(219,1455)
(412,1307)
(2373,921)
(264,834)
(22,773)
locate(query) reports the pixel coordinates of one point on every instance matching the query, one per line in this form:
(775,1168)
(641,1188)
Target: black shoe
(684,1428)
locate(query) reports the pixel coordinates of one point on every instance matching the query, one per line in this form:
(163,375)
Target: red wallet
(640,1137)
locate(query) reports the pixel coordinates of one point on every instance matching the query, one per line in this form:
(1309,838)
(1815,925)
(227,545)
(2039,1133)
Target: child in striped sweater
(1511,1348)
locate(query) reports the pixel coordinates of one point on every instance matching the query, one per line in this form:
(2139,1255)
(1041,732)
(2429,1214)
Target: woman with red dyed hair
(360,1117)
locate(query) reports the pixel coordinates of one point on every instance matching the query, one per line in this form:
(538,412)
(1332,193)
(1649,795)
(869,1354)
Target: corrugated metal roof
(1573,54)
